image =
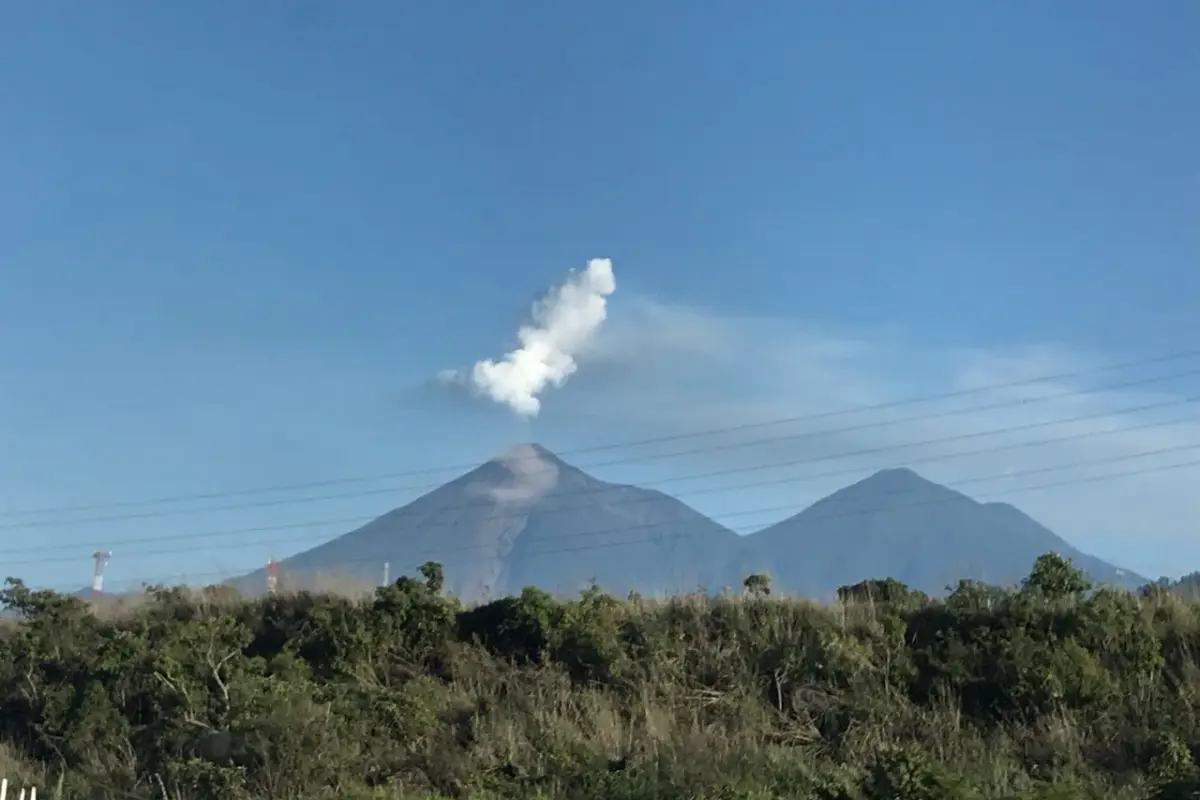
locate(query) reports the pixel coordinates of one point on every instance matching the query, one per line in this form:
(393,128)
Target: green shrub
(1054,690)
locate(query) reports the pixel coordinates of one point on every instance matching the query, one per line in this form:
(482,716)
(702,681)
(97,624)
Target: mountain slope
(900,525)
(528,518)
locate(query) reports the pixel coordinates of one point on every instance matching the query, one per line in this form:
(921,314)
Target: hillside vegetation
(1052,690)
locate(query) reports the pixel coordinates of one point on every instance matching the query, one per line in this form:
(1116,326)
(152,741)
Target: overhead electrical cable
(794,508)
(1105,413)
(955,394)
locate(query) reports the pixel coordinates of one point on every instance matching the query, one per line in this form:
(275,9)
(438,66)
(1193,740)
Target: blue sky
(237,241)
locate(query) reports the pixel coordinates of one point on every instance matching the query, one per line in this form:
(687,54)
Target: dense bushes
(1052,690)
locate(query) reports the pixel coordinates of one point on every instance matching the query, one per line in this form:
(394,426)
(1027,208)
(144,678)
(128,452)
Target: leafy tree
(1056,578)
(757,585)
(1055,690)
(887,591)
(435,576)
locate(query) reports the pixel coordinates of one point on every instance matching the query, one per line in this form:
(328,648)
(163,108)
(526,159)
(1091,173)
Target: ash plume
(561,324)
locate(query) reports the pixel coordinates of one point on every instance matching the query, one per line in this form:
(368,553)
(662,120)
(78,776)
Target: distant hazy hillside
(528,518)
(900,525)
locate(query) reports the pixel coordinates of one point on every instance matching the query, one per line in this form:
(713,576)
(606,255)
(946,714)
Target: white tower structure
(101,557)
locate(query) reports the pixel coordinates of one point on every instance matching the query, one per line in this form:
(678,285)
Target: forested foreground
(1053,690)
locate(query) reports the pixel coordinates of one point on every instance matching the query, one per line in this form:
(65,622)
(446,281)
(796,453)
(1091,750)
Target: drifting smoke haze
(562,323)
(531,475)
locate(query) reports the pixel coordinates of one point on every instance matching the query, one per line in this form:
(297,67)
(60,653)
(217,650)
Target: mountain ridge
(925,534)
(512,515)
(526,517)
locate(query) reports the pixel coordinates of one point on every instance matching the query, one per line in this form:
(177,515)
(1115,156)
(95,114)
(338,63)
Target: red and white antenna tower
(101,557)
(272,576)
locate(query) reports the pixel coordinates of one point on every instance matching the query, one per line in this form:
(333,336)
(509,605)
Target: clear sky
(237,240)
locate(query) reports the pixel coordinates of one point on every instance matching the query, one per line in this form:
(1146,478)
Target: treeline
(1050,690)
(1187,587)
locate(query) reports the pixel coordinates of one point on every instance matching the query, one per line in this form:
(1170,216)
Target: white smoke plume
(562,323)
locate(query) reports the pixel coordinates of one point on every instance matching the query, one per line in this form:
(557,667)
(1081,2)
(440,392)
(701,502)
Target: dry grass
(733,696)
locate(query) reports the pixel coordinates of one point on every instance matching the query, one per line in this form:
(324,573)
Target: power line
(794,508)
(642,442)
(399,513)
(1174,401)
(857,512)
